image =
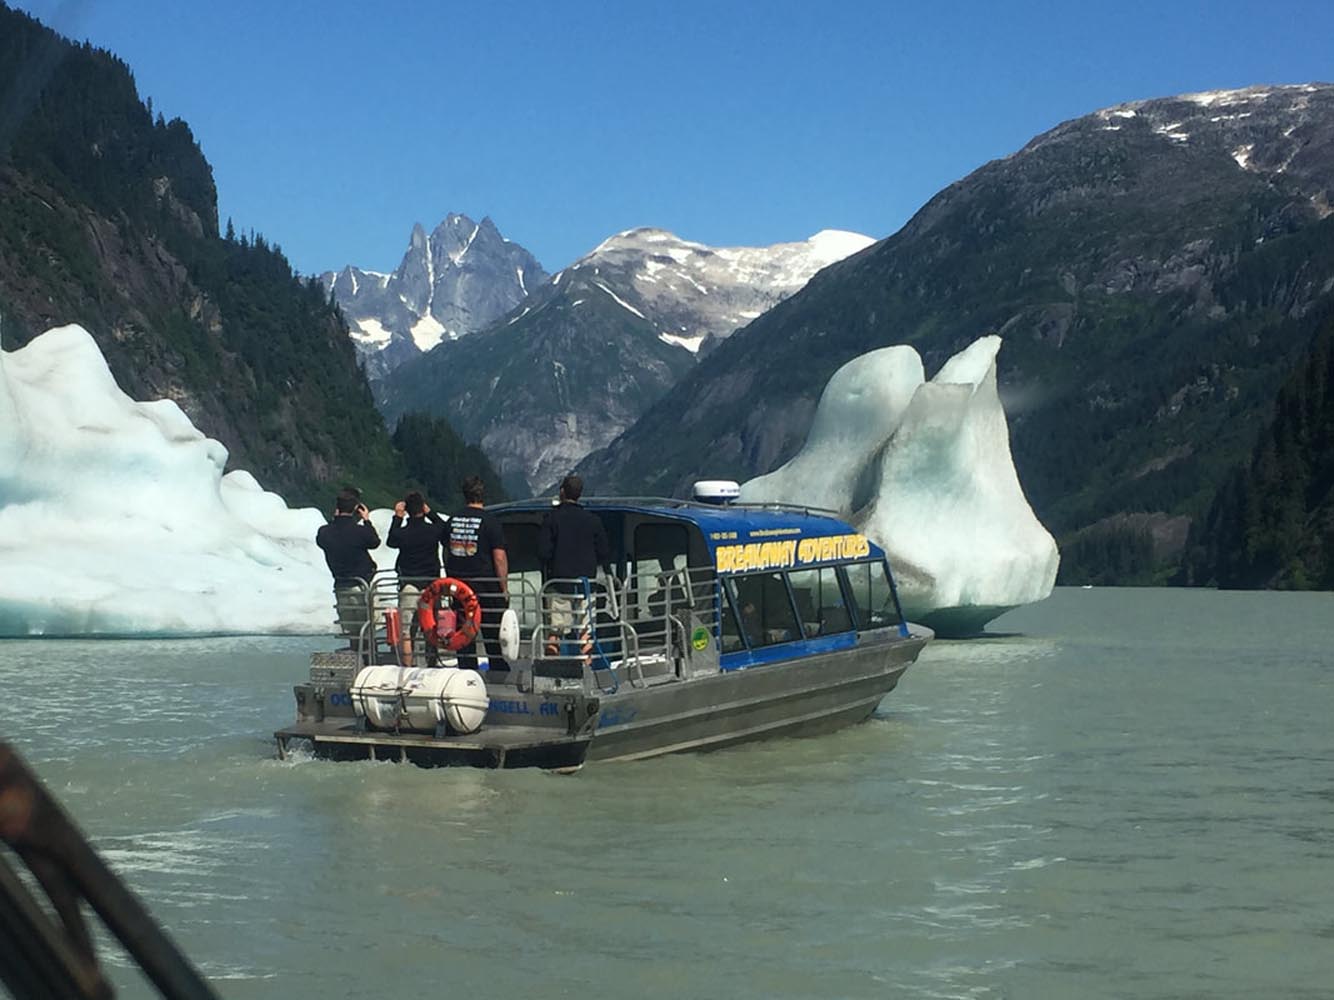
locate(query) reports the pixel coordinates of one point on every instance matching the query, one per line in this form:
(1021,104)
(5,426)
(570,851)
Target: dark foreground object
(44,956)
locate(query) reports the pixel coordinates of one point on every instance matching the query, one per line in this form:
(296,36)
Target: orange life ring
(466,631)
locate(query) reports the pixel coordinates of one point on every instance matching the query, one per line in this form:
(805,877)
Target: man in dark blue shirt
(572,544)
(416,531)
(347,542)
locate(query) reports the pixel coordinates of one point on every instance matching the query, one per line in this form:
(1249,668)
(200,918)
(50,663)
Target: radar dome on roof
(716,490)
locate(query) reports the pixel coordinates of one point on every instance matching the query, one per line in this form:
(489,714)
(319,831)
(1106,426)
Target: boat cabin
(739,584)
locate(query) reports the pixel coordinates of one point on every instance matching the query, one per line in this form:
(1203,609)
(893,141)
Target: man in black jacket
(416,531)
(572,544)
(347,542)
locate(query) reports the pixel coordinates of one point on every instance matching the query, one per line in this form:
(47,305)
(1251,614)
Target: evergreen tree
(439,460)
(108,218)
(1272,522)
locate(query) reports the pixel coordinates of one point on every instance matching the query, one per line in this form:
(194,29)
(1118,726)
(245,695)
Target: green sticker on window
(700,638)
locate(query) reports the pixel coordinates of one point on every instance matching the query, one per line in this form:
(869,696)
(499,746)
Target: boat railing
(643,629)
(662,615)
(665,606)
(678,503)
(361,613)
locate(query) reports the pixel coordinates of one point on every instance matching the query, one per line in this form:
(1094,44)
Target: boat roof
(745,536)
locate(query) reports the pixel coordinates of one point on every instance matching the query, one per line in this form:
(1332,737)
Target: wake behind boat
(714,624)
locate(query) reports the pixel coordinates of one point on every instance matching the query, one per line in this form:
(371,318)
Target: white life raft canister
(418,698)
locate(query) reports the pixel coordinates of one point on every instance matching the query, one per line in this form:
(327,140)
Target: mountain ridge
(620,325)
(1153,267)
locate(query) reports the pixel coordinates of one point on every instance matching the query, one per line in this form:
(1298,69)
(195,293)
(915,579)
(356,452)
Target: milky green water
(1129,794)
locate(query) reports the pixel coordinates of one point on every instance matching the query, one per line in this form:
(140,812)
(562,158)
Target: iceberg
(924,469)
(116,517)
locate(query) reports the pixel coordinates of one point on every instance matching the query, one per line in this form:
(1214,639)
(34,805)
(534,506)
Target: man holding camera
(347,542)
(416,531)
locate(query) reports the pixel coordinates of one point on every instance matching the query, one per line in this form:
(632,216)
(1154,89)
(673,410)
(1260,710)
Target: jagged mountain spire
(451,282)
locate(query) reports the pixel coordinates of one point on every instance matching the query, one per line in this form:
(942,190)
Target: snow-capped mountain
(1154,269)
(692,292)
(458,279)
(582,357)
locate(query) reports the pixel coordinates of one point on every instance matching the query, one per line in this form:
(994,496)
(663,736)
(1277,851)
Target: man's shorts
(352,606)
(565,612)
(407,610)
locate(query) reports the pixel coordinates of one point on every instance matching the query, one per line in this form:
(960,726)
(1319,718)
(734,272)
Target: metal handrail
(669,502)
(632,662)
(647,615)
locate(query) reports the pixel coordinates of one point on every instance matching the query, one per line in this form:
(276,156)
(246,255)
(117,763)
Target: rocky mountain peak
(618,319)
(1263,129)
(696,294)
(453,282)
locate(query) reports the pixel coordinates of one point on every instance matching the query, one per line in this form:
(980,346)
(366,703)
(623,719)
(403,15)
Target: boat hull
(501,747)
(560,728)
(813,695)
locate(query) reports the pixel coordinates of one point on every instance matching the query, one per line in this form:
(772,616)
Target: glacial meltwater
(1123,793)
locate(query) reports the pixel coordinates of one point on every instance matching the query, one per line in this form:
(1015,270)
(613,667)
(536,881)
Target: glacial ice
(116,518)
(924,469)
(861,405)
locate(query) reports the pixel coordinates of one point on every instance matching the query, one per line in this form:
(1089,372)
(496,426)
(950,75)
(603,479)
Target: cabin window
(868,585)
(660,550)
(764,608)
(731,631)
(819,599)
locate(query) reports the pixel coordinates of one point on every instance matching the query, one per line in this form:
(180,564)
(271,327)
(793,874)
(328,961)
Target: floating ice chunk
(116,518)
(948,506)
(924,469)
(859,409)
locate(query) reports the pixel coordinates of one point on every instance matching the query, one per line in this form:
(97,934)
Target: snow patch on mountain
(691,344)
(370,333)
(620,301)
(1264,129)
(427,332)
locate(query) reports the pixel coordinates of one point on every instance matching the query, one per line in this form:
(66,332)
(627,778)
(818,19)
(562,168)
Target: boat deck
(497,747)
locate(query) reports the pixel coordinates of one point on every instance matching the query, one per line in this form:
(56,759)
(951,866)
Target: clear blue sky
(332,127)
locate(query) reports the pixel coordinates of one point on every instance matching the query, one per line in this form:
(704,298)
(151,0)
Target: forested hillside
(565,374)
(108,218)
(1154,270)
(440,460)
(1272,524)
